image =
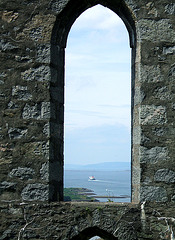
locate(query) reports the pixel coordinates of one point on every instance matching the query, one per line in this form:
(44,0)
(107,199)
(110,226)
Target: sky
(97,89)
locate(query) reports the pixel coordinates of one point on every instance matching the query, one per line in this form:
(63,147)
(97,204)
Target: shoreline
(85,194)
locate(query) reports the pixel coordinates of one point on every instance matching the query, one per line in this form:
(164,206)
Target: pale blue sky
(97,99)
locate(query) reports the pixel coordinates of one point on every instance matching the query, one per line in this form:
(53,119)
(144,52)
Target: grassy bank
(78,194)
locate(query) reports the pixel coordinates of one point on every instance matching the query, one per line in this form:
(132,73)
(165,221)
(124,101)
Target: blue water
(107,183)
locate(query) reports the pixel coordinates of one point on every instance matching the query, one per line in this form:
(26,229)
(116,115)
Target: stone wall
(33,40)
(81,221)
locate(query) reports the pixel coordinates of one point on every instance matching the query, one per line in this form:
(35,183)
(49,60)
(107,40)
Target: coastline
(85,194)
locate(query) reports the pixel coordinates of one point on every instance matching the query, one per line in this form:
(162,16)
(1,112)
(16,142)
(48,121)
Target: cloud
(103,24)
(97,89)
(99,18)
(98,77)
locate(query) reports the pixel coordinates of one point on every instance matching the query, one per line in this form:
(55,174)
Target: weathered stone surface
(165,175)
(36,191)
(2,95)
(43,53)
(44,171)
(6,46)
(46,129)
(172,72)
(21,93)
(125,231)
(22,173)
(17,133)
(150,74)
(56,6)
(31,111)
(41,74)
(173,198)
(38,29)
(158,131)
(9,16)
(7,186)
(136,174)
(38,111)
(45,110)
(169,50)
(152,115)
(23,59)
(146,28)
(153,155)
(170,8)
(147,181)
(42,148)
(36,33)
(163,93)
(12,105)
(139,96)
(31,95)
(152,193)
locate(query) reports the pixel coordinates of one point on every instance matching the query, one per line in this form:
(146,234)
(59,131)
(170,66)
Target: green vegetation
(78,194)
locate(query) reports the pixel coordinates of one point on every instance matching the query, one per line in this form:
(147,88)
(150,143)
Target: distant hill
(105,166)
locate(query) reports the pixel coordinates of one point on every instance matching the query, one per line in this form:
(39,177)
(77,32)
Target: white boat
(92,178)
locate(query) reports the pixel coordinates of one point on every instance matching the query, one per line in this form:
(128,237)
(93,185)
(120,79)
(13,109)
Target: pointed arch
(90,232)
(64,21)
(74,9)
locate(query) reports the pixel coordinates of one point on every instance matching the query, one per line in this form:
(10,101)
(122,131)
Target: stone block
(170,8)
(6,46)
(150,74)
(42,148)
(12,105)
(41,74)
(46,129)
(31,111)
(36,33)
(135,175)
(9,186)
(57,6)
(155,31)
(152,115)
(43,53)
(163,93)
(45,110)
(158,131)
(172,72)
(2,95)
(2,76)
(153,194)
(136,134)
(165,175)
(138,96)
(36,191)
(9,16)
(17,133)
(153,155)
(40,111)
(169,50)
(22,173)
(44,171)
(21,93)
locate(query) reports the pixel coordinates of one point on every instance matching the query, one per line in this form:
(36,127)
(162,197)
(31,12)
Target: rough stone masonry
(33,40)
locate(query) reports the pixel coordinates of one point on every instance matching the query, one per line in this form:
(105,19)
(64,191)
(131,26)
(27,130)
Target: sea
(107,183)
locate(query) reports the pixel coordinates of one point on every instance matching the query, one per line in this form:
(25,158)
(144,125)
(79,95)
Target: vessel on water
(92,178)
